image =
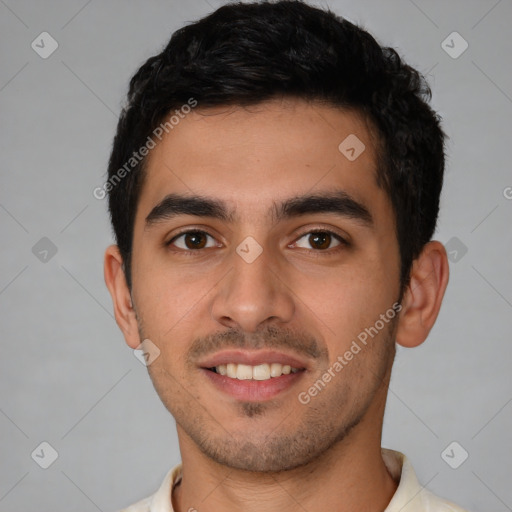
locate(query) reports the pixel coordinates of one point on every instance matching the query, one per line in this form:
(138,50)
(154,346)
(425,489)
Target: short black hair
(246,53)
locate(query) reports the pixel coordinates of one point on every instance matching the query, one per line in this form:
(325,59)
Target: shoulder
(433,503)
(140,506)
(161,499)
(410,495)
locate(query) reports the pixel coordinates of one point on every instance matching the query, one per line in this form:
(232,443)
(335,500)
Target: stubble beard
(328,419)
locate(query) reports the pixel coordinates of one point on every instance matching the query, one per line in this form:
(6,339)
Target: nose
(253,294)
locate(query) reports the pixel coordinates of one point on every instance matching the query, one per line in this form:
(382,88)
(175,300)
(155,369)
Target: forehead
(251,157)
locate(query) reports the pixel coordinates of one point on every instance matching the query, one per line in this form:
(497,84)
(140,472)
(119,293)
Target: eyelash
(316,252)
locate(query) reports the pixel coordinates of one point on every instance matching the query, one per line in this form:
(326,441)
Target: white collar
(410,496)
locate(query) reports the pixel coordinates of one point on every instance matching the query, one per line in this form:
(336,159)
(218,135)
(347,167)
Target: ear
(424,295)
(124,312)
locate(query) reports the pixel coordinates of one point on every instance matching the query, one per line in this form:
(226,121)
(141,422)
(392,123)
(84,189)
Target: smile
(253,376)
(263,371)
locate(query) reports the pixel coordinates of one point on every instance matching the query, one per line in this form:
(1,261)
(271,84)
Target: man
(274,187)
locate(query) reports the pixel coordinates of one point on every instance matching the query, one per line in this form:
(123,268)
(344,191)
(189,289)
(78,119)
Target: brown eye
(191,240)
(319,240)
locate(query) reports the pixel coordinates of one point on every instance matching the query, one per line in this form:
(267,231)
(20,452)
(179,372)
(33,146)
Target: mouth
(253,376)
(260,372)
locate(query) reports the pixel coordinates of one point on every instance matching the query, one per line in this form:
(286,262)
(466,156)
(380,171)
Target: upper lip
(252,358)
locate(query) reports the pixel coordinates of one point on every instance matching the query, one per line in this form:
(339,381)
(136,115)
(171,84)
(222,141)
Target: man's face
(271,284)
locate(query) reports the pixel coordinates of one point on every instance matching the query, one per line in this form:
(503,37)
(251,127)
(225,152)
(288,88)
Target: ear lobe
(424,295)
(124,312)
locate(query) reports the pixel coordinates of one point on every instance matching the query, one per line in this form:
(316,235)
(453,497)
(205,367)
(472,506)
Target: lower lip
(253,390)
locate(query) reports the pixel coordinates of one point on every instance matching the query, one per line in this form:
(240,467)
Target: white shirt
(410,496)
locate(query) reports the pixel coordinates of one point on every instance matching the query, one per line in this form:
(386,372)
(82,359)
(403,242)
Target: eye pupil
(320,240)
(195,240)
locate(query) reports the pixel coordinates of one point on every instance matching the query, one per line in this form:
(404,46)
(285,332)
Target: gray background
(68,378)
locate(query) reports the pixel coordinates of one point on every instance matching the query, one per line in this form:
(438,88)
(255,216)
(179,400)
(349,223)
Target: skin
(297,297)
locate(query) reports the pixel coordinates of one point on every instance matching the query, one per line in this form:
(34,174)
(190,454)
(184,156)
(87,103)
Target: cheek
(165,295)
(347,301)
(174,307)
(165,318)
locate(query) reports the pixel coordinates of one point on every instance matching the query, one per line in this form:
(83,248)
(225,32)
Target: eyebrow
(337,202)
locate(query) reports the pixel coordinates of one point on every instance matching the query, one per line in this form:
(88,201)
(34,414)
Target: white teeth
(259,372)
(276,370)
(230,370)
(244,372)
